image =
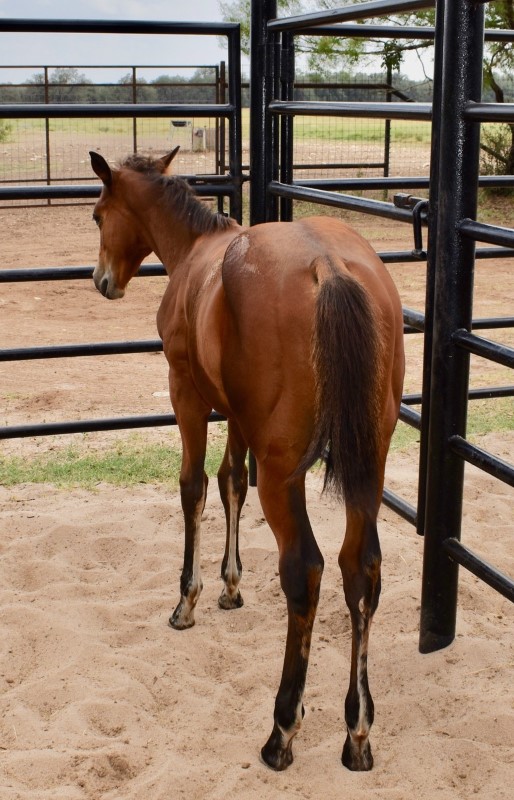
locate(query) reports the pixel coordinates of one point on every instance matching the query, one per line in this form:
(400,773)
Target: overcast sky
(89,49)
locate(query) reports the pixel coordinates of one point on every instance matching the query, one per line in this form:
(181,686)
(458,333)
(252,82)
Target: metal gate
(228,185)
(449,210)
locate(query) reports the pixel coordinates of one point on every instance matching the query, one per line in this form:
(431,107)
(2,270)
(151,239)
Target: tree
(325,52)
(498,141)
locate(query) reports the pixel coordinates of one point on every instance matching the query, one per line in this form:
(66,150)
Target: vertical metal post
(433,207)
(387,126)
(219,146)
(287,125)
(47,136)
(234,141)
(222,123)
(457,198)
(134,100)
(262,128)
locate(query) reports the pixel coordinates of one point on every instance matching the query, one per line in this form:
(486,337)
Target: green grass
(129,463)
(133,461)
(484,416)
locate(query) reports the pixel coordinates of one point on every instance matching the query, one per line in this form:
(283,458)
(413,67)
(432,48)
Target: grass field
(305,127)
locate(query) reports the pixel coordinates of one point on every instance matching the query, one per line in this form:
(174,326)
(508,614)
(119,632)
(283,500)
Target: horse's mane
(180,196)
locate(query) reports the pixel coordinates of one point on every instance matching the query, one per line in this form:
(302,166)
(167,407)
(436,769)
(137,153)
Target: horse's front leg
(233,486)
(360,561)
(192,417)
(301,568)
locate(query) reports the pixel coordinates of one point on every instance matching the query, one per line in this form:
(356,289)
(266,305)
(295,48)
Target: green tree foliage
(325,53)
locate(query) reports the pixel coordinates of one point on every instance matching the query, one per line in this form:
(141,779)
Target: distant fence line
(50,151)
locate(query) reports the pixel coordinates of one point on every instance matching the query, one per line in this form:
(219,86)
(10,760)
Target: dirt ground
(100,699)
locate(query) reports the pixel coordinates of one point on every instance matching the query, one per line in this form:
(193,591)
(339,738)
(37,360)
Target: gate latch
(419,208)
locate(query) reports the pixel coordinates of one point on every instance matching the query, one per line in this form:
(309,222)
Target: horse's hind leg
(301,567)
(233,485)
(193,493)
(360,561)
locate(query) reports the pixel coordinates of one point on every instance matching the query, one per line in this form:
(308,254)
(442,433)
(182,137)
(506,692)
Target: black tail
(346,363)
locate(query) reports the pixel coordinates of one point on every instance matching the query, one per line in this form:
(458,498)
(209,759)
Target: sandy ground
(100,699)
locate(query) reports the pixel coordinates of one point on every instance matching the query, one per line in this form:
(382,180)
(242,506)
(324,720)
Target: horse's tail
(346,366)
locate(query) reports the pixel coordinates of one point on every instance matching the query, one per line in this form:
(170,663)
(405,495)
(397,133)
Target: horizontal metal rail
(489,323)
(405,182)
(80,350)
(416,319)
(482,569)
(374,8)
(480,458)
(484,393)
(91,425)
(210,185)
(16,25)
(410,417)
(398,504)
(489,112)
(95,110)
(67,273)
(327,108)
(370,31)
(367,206)
(499,353)
(491,234)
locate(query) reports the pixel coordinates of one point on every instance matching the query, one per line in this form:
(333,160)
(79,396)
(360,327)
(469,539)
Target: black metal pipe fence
(455,114)
(49,89)
(227,185)
(229,111)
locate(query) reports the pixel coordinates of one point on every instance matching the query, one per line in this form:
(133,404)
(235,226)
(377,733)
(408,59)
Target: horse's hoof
(357,756)
(274,755)
(180,620)
(227,603)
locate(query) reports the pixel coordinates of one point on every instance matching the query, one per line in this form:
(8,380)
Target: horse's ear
(101,168)
(164,162)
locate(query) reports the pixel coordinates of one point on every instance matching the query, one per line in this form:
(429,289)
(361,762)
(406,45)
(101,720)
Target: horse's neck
(173,239)
(170,239)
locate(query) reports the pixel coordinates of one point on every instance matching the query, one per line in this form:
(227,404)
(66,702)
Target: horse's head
(123,243)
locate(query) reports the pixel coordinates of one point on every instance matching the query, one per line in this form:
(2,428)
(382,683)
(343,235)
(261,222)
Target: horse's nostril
(104,285)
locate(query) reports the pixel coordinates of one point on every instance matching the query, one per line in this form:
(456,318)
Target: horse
(293,331)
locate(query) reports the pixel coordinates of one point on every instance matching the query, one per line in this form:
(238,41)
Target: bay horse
(293,331)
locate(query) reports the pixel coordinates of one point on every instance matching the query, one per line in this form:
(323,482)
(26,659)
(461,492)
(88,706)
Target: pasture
(100,698)
(318,140)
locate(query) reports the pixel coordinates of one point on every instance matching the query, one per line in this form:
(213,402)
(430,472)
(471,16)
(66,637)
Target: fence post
(433,207)
(387,126)
(262,127)
(457,198)
(47,136)
(287,72)
(134,100)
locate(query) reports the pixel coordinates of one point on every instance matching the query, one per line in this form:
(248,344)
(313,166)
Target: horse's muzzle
(106,287)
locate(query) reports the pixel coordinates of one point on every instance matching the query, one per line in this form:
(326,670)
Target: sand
(101,700)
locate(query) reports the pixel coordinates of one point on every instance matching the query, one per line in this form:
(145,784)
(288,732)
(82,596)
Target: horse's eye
(97,219)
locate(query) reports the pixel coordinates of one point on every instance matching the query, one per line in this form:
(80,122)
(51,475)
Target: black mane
(180,196)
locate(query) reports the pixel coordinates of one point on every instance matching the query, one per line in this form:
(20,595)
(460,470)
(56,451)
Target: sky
(87,49)
(36,50)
